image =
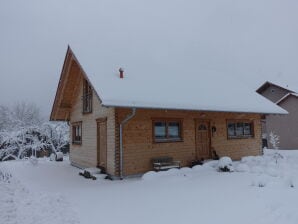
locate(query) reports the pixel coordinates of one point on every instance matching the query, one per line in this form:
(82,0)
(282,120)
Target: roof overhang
(68,84)
(187,109)
(267,84)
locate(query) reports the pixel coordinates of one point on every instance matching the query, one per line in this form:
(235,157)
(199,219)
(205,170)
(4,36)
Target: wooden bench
(164,163)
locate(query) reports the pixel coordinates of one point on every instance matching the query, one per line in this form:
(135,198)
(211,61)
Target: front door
(102,143)
(202,140)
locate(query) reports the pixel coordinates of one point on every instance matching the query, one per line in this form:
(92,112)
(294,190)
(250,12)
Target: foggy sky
(254,39)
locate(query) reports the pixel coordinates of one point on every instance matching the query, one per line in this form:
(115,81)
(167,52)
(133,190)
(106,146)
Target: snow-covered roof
(154,79)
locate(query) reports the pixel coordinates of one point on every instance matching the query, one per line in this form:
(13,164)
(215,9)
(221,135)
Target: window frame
(243,122)
(167,139)
(73,126)
(87,97)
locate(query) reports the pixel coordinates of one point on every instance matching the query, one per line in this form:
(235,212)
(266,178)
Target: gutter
(130,116)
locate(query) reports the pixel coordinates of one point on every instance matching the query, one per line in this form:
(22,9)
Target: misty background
(254,40)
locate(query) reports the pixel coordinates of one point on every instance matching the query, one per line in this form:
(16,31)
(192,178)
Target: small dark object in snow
(225,169)
(5,177)
(59,157)
(87,175)
(215,156)
(108,177)
(196,162)
(277,156)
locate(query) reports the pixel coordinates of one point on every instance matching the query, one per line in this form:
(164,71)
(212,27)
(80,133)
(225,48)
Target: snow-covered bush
(274,140)
(53,157)
(24,134)
(225,164)
(57,135)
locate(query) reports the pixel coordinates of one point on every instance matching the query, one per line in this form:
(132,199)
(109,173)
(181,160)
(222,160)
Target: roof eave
(190,109)
(264,86)
(68,52)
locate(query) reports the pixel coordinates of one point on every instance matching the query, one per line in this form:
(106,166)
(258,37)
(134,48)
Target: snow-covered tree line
(23,132)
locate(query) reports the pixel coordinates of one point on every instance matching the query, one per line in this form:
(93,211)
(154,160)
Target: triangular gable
(67,89)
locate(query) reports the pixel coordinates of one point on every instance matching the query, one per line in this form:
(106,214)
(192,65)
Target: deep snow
(260,191)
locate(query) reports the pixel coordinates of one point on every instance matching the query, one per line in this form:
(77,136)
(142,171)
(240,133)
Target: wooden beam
(62,84)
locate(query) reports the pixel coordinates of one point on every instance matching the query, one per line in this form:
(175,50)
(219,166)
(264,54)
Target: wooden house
(122,118)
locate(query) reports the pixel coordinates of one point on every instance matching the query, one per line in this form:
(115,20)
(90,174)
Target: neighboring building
(285,126)
(120,120)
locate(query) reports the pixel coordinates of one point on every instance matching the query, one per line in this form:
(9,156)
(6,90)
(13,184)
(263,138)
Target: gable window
(239,129)
(167,130)
(87,97)
(77,133)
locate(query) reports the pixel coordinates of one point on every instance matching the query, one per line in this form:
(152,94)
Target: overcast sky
(255,40)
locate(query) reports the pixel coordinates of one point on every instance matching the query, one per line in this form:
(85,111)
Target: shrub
(225,164)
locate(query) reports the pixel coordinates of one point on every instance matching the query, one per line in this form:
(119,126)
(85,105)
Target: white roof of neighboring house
(154,80)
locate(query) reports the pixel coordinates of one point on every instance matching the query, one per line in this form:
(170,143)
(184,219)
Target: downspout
(130,116)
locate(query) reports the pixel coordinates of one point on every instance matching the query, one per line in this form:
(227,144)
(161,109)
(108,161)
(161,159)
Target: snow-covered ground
(259,191)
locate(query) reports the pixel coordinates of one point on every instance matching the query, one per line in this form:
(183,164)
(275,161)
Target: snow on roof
(173,83)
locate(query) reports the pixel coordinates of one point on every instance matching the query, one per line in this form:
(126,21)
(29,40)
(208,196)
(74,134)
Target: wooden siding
(285,126)
(85,155)
(139,147)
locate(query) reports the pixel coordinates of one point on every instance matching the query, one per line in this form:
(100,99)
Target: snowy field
(260,190)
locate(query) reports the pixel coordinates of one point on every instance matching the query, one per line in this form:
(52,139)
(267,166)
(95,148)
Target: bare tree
(274,140)
(20,115)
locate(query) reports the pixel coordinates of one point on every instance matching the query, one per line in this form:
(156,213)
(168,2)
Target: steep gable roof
(67,88)
(152,84)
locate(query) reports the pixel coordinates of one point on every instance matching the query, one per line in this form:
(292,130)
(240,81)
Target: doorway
(203,150)
(102,143)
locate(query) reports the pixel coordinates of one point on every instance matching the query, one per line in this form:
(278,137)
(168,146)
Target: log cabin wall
(85,155)
(139,147)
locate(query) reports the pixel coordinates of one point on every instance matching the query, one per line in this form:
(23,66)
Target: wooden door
(202,140)
(102,143)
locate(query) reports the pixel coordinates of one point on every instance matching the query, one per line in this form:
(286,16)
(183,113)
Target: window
(77,133)
(239,129)
(87,97)
(202,127)
(167,130)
